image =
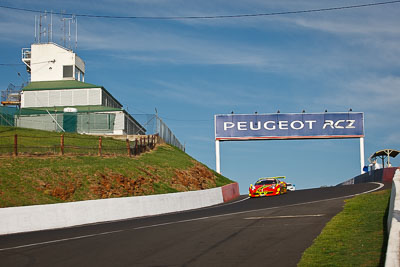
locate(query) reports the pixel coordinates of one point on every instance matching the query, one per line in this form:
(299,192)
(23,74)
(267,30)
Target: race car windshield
(265,182)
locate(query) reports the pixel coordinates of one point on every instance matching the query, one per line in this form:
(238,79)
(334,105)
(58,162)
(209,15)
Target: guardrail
(380,175)
(393,224)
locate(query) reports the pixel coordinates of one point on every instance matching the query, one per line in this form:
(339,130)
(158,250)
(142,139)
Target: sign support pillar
(362,162)
(217,157)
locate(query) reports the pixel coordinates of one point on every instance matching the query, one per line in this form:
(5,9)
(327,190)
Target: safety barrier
(393,224)
(380,175)
(52,216)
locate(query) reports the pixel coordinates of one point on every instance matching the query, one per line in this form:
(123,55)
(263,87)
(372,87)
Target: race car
(290,187)
(269,186)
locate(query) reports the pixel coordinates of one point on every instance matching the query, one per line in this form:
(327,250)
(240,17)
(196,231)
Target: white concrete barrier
(51,216)
(392,252)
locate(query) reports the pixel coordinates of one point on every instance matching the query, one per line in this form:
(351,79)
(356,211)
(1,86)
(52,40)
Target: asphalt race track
(269,231)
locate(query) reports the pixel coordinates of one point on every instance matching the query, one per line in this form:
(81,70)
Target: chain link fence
(155,125)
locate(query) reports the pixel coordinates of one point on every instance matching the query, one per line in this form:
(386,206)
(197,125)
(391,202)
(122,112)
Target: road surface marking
(283,217)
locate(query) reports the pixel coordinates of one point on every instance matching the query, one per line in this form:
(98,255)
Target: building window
(68,71)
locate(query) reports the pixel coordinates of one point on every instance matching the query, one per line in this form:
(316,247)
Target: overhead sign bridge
(280,126)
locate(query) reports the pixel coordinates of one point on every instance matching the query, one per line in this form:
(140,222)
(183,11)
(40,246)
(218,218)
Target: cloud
(376,96)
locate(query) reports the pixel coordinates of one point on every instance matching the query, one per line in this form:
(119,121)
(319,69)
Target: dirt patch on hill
(110,184)
(196,178)
(61,190)
(117,185)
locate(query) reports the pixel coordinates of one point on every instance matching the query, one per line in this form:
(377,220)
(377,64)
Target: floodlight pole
(362,154)
(217,157)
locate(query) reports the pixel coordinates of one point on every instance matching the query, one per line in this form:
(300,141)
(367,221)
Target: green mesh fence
(7,115)
(95,123)
(80,122)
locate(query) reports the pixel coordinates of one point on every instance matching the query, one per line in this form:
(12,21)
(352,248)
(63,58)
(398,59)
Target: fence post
(157,138)
(62,144)
(128,146)
(100,146)
(148,142)
(136,146)
(15,145)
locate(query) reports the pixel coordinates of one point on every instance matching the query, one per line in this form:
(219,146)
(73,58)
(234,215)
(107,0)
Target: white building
(51,62)
(58,99)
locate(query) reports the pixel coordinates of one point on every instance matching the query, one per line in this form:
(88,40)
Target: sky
(191,69)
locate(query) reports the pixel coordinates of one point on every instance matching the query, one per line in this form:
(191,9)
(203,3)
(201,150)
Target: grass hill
(30,179)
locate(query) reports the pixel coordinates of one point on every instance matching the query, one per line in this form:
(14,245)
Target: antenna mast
(67,22)
(41,30)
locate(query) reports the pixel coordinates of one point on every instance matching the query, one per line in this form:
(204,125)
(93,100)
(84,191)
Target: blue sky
(192,69)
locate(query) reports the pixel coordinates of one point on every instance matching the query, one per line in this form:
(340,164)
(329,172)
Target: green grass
(32,141)
(355,237)
(31,180)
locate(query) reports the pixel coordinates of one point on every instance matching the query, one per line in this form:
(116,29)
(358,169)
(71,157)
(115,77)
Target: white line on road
(284,217)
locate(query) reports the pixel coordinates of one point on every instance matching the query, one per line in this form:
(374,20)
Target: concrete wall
(393,222)
(230,192)
(51,216)
(380,175)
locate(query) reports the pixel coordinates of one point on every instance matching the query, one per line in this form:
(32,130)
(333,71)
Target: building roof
(58,85)
(385,153)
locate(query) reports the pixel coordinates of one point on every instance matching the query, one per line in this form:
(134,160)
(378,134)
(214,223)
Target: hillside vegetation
(31,180)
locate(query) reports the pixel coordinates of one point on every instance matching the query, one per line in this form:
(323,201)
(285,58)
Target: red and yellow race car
(269,186)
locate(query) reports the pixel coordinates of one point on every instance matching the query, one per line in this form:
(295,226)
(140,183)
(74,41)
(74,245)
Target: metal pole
(362,154)
(217,157)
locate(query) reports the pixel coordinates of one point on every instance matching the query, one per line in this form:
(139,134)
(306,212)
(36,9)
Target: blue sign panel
(289,126)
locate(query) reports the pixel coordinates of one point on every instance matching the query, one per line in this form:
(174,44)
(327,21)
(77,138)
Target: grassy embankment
(357,236)
(30,180)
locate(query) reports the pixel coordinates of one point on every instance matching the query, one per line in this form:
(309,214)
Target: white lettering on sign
(228,125)
(351,124)
(310,124)
(258,124)
(285,125)
(339,124)
(242,126)
(293,125)
(328,123)
(269,128)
